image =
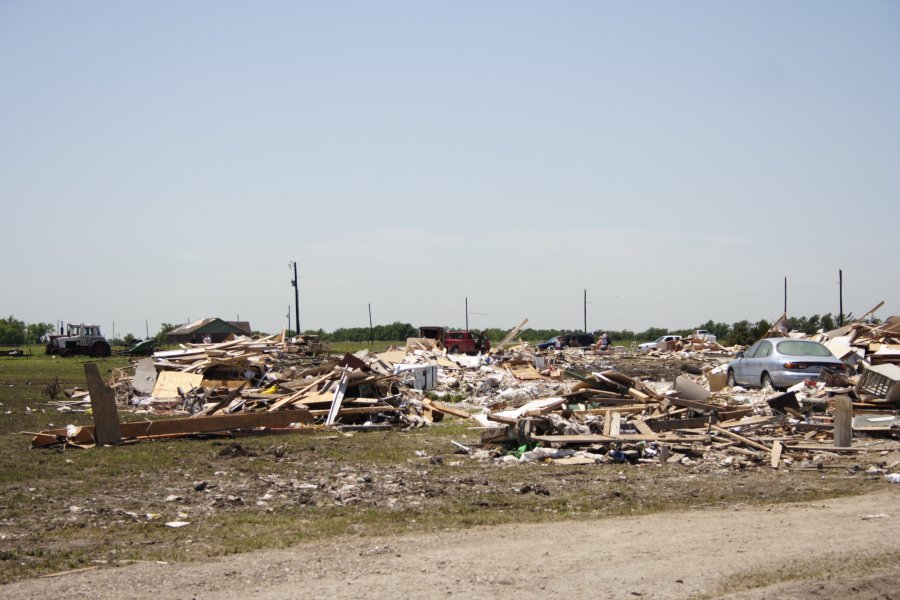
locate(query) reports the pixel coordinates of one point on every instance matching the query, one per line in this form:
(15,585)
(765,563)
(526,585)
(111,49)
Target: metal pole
(585,311)
(371,334)
(841,297)
(296,299)
(467,313)
(785,295)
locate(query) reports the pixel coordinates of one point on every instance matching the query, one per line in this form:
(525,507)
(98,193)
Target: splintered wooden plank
(509,336)
(338,399)
(287,400)
(695,404)
(641,426)
(616,424)
(361,410)
(103,406)
(748,422)
(843,421)
(601,439)
(447,409)
(186,426)
(776,454)
(600,412)
(740,438)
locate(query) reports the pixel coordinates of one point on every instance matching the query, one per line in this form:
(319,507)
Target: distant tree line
(380,333)
(16,332)
(742,332)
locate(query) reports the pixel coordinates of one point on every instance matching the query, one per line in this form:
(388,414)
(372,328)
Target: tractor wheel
(65,352)
(100,349)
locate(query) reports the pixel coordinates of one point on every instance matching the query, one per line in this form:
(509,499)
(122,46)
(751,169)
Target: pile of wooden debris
(572,405)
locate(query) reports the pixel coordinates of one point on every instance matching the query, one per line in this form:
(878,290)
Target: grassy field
(66,508)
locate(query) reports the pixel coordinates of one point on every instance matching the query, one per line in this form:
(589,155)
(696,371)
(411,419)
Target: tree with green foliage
(12,331)
(741,334)
(38,330)
(164,329)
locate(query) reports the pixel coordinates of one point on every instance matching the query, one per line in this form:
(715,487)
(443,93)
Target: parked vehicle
(654,344)
(433,332)
(466,342)
(704,335)
(569,340)
(79,339)
(781,362)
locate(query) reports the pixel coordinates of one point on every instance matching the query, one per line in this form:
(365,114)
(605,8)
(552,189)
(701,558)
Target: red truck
(466,342)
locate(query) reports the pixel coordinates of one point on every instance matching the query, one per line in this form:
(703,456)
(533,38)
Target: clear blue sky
(164,161)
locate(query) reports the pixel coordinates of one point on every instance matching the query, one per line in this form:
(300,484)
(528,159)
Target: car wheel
(767,382)
(730,381)
(454,350)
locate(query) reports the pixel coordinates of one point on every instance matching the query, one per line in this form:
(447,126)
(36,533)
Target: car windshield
(801,348)
(661,338)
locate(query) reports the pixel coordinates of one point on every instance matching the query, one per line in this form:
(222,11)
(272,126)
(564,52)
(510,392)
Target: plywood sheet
(168,382)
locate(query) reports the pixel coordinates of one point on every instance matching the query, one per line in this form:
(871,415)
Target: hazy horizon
(166,161)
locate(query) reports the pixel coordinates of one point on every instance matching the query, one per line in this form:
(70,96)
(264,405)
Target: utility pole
(785,295)
(296,299)
(840,298)
(467,313)
(371,334)
(147,327)
(585,311)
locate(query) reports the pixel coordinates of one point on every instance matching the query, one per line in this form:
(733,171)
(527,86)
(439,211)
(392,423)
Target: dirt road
(671,555)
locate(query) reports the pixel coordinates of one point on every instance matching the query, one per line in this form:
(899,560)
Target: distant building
(214,328)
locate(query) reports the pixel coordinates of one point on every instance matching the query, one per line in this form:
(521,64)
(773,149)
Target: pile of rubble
(571,405)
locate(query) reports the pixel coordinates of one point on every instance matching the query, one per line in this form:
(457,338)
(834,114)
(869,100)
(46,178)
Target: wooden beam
(446,409)
(509,336)
(103,406)
(641,426)
(843,421)
(361,410)
(186,426)
(601,439)
(287,400)
(740,438)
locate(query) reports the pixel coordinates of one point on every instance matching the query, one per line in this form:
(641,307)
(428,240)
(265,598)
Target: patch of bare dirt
(679,554)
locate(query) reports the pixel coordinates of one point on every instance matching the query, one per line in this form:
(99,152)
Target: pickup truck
(660,340)
(466,342)
(704,335)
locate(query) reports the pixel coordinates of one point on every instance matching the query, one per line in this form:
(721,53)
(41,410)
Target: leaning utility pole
(296,299)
